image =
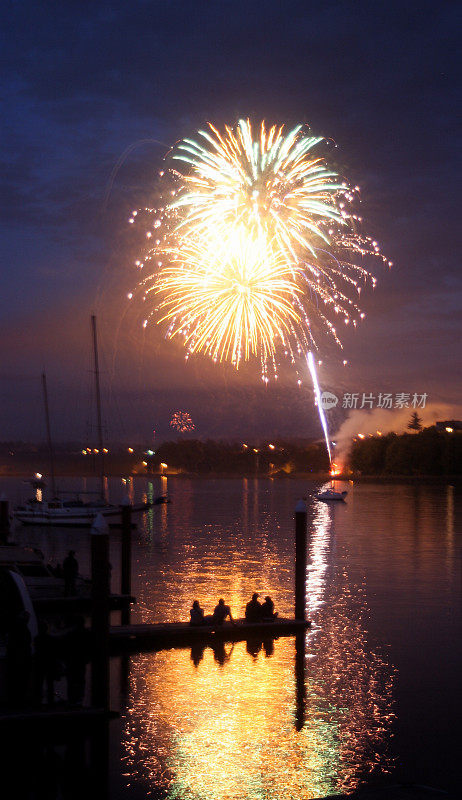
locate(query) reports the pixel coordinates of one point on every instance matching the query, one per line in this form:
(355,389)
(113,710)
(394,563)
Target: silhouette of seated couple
(254,612)
(220,612)
(260,612)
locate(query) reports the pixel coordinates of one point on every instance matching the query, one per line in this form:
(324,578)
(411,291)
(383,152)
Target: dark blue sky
(83,81)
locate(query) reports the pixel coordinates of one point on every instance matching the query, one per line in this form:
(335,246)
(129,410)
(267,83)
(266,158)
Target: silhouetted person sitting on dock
(197,614)
(221,611)
(267,610)
(71,570)
(253,609)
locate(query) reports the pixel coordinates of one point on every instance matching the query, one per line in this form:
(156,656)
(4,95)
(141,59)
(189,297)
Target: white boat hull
(70,517)
(330,496)
(66,517)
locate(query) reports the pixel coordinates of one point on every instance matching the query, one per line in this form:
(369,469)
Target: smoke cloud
(369,422)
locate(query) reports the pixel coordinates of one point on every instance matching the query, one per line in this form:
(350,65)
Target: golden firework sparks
(256,247)
(229,299)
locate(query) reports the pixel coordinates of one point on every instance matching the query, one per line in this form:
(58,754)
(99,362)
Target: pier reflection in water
(298,718)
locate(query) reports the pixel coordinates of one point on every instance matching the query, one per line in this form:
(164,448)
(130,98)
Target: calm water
(380,667)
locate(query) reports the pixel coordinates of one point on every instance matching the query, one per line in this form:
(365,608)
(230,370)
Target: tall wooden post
(100,580)
(126,558)
(4,518)
(300,560)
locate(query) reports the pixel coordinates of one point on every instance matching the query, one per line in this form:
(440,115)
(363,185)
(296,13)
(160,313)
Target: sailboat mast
(98,402)
(50,444)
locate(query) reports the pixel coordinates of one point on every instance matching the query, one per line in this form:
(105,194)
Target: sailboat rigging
(75,513)
(49,441)
(98,406)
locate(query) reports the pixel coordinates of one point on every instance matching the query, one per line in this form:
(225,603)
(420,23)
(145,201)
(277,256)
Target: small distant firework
(181,421)
(257,248)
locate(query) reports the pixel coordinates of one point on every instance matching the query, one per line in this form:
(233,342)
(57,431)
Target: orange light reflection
(221,724)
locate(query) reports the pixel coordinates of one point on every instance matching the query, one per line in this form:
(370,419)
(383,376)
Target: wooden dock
(79,604)
(53,719)
(169,635)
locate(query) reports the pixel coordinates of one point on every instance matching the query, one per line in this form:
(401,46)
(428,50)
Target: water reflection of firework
(181,421)
(224,726)
(228,730)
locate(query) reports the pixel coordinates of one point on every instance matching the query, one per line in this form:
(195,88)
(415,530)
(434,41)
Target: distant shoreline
(411,479)
(312,476)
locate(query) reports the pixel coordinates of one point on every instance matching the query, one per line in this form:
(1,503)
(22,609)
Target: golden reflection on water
(320,534)
(252,720)
(226,728)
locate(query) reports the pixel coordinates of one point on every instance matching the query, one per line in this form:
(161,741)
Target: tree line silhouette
(425,452)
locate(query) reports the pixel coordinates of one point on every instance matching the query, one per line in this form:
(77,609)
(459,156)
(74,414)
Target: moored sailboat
(75,512)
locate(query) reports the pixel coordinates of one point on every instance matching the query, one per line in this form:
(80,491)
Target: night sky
(85,81)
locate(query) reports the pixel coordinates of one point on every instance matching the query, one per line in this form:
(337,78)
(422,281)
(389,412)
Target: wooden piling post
(300,560)
(100,580)
(4,518)
(126,557)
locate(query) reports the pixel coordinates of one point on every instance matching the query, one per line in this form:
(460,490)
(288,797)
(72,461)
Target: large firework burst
(258,245)
(229,301)
(271,183)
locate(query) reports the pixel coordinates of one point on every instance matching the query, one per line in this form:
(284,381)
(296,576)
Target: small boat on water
(329,495)
(70,513)
(75,512)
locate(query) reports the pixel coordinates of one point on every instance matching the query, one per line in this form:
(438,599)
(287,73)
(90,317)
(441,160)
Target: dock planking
(169,635)
(79,604)
(53,719)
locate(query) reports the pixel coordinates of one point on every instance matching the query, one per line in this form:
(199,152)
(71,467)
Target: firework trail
(317,394)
